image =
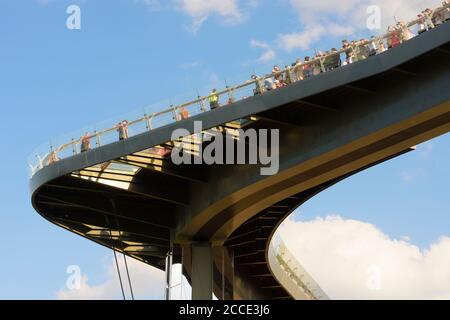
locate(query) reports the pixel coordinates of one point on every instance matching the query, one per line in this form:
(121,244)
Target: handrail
(291,274)
(317,61)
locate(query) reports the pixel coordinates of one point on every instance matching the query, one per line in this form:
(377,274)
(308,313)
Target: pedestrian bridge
(218,220)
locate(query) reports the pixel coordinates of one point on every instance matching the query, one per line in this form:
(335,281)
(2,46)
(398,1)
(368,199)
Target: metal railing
(49,154)
(291,274)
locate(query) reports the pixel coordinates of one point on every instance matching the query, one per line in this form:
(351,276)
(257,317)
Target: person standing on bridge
(372,46)
(394,37)
(316,66)
(335,59)
(258,86)
(421,24)
(122,128)
(53,157)
(446,12)
(184,114)
(406,33)
(269,84)
(213,99)
(276,71)
(381,48)
(428,18)
(307,68)
(85,142)
(349,54)
(298,69)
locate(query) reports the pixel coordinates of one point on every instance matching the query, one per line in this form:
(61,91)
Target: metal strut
(168,286)
(115,256)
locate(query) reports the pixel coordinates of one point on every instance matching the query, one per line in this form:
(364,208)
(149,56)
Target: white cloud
(253,3)
(147,282)
(300,40)
(229,11)
(425,150)
(200,10)
(340,30)
(43,2)
(268,53)
(190,65)
(343,18)
(344,255)
(305,39)
(153,5)
(341,255)
(406,238)
(412,175)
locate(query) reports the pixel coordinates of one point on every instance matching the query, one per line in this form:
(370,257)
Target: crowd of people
(350,52)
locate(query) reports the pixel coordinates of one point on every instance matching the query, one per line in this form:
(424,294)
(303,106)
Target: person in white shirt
(421,24)
(269,84)
(372,46)
(428,14)
(446,12)
(381,48)
(298,70)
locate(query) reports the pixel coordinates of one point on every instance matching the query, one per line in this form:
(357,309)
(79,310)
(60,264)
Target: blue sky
(130,54)
(404,197)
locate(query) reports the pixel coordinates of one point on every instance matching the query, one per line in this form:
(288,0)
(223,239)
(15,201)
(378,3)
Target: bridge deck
(129,196)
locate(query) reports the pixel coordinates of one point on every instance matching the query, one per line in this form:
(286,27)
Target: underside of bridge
(218,220)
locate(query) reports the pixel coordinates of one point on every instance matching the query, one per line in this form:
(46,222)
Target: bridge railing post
(230,94)
(97,138)
(40,162)
(148,121)
(174,113)
(74,146)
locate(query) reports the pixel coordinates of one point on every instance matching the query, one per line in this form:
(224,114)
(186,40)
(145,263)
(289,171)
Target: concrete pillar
(202,271)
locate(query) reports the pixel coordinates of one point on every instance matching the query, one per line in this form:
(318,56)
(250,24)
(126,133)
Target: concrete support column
(202,271)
